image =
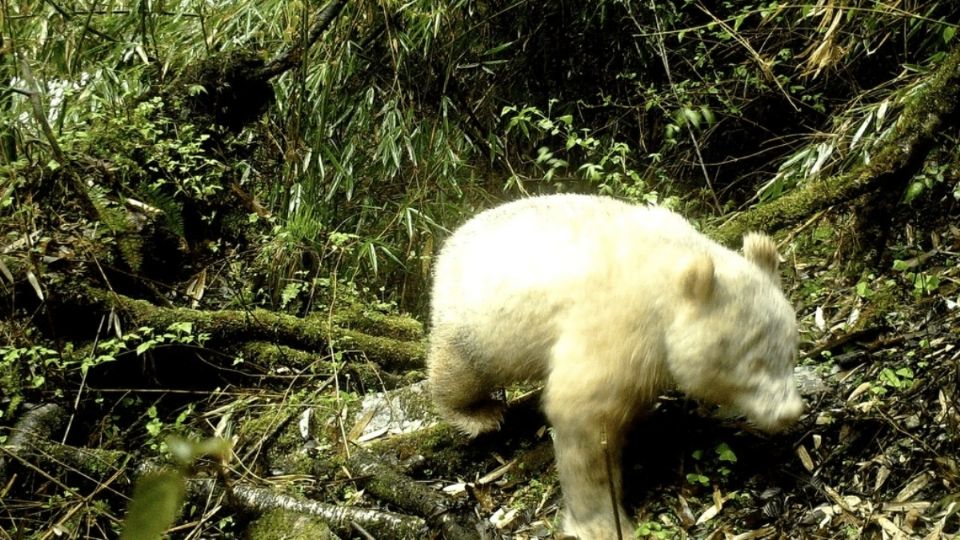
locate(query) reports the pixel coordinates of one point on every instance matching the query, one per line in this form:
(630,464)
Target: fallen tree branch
(314,333)
(390,485)
(383,525)
(38,423)
(31,444)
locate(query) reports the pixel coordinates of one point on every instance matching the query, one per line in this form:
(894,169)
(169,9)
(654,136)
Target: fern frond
(171,208)
(116,220)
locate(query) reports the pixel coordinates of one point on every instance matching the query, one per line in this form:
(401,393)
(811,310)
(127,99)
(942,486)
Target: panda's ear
(762,251)
(698,280)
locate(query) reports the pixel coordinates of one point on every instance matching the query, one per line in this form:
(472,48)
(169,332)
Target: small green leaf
(707,115)
(948,33)
(154,427)
(724,453)
(182,327)
(926,283)
(915,189)
(889,377)
(144,347)
(694,478)
(692,116)
(545,124)
(905,372)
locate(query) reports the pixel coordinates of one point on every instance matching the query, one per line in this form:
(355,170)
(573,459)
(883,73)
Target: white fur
(610,304)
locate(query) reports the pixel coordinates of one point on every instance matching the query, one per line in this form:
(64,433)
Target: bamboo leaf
(35,283)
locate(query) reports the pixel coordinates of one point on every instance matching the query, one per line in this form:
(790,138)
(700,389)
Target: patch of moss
(280,524)
(361,318)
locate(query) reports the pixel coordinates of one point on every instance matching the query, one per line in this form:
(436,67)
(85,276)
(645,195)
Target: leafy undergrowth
(874,457)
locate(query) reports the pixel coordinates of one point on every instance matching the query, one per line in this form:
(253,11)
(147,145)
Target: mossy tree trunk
(914,136)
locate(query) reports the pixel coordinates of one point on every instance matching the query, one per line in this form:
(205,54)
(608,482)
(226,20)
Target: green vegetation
(718,464)
(218,220)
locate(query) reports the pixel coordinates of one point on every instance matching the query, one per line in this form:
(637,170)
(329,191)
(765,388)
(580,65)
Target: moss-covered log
(285,525)
(378,324)
(900,158)
(31,444)
(314,333)
(365,373)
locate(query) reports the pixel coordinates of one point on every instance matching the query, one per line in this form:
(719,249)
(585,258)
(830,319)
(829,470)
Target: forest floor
(875,455)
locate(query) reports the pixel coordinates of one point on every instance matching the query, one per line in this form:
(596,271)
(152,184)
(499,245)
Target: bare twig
(83,381)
